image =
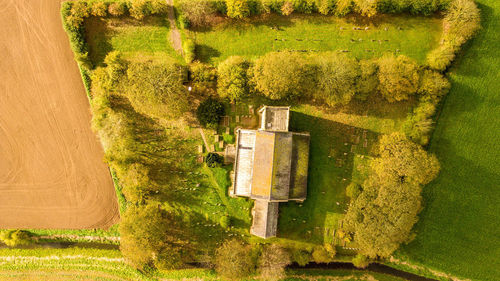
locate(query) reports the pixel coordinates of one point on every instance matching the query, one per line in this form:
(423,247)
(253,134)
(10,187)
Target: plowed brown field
(52,173)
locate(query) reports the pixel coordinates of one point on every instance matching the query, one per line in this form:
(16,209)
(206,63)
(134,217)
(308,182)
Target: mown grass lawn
(459,231)
(413,36)
(137,40)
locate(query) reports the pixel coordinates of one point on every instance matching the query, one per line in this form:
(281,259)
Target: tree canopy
(232,81)
(398,77)
(233,260)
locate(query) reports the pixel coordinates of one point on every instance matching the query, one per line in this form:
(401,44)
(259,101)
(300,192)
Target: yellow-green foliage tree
(237,8)
(401,160)
(282,75)
(273,261)
(156,90)
(398,77)
(368,82)
(150,236)
(233,260)
(433,85)
(382,216)
(337,78)
(232,80)
(16,237)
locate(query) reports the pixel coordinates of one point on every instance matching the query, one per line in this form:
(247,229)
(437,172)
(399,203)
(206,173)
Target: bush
(398,77)
(321,255)
(441,57)
(366,8)
(117,9)
(237,8)
(360,261)
(233,260)
(273,261)
(214,160)
(140,9)
(353,190)
(197,13)
(189,49)
(79,10)
(14,238)
(418,124)
(225,221)
(209,112)
(156,90)
(116,67)
(337,77)
(159,7)
(232,79)
(136,182)
(301,257)
(99,9)
(282,75)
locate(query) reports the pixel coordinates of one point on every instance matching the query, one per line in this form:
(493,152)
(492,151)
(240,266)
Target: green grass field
(251,38)
(137,40)
(459,231)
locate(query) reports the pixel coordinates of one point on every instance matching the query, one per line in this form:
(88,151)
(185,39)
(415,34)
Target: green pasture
(413,36)
(137,40)
(459,231)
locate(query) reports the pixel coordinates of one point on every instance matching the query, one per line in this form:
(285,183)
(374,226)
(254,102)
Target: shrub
(273,261)
(343,7)
(360,261)
(14,238)
(198,12)
(325,6)
(136,182)
(368,82)
(209,112)
(366,7)
(282,75)
(287,8)
(214,160)
(225,222)
(418,124)
(117,9)
(232,79)
(156,90)
(441,57)
(116,67)
(189,49)
(353,190)
(337,76)
(398,77)
(99,9)
(237,8)
(139,9)
(79,11)
(321,255)
(233,260)
(433,86)
(301,257)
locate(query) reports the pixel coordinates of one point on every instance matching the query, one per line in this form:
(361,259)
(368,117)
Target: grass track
(459,231)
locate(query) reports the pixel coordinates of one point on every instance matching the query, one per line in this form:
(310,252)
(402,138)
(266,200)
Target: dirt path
(52,173)
(175,35)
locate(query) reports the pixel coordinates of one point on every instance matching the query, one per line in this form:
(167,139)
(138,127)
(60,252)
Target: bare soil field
(52,173)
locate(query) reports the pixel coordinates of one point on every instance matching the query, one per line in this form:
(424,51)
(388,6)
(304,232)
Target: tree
(398,77)
(14,238)
(209,112)
(273,261)
(382,216)
(99,9)
(237,8)
(301,257)
(198,12)
(116,67)
(433,85)
(401,161)
(280,75)
(418,124)
(232,79)
(156,90)
(136,182)
(117,9)
(149,235)
(287,8)
(366,8)
(233,260)
(337,78)
(368,82)
(360,261)
(139,9)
